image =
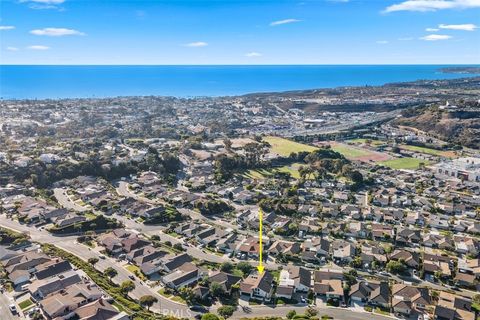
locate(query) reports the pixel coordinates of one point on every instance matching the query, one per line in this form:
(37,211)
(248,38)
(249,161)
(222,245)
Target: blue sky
(240,32)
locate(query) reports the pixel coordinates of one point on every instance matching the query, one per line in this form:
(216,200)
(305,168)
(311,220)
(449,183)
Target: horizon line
(259,65)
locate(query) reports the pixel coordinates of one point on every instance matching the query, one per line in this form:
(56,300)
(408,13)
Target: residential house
(258,285)
(406,298)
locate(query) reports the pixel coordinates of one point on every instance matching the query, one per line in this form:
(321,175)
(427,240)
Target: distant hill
(458,123)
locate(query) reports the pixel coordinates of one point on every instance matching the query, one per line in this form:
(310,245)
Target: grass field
(285,147)
(433,152)
(403,163)
(263,173)
(257,174)
(25,304)
(292,169)
(350,152)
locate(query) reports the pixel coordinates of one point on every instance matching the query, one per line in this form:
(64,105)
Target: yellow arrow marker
(260,266)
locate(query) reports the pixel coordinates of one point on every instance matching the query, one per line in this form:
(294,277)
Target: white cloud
(432,5)
(431,29)
(7,27)
(12,48)
(285,21)
(44,4)
(56,32)
(253,54)
(38,47)
(436,37)
(382,41)
(464,27)
(197,44)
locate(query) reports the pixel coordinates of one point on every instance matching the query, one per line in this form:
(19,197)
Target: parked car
(13,309)
(198,308)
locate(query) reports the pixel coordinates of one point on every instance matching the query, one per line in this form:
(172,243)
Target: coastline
(67,82)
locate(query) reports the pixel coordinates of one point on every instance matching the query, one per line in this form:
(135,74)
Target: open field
(292,169)
(433,152)
(358,153)
(403,163)
(263,173)
(285,147)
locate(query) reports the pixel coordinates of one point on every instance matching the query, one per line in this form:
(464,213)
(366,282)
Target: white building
(462,168)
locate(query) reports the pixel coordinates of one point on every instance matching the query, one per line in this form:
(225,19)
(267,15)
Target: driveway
(65,201)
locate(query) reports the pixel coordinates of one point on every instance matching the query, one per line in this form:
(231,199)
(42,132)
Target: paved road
(69,244)
(5,313)
(122,190)
(64,200)
(336,313)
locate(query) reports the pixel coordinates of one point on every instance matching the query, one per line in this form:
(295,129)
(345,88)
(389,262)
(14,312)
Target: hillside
(459,123)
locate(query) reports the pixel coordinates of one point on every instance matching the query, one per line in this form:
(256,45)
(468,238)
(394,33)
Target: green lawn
(163,293)
(403,163)
(292,169)
(285,147)
(380,311)
(350,152)
(433,152)
(263,173)
(90,216)
(25,304)
(179,299)
(136,271)
(257,174)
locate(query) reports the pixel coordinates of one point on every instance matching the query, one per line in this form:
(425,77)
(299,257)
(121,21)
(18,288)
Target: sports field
(358,153)
(403,163)
(285,147)
(433,152)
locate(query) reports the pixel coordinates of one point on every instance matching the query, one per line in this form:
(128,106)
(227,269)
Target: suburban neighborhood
(112,213)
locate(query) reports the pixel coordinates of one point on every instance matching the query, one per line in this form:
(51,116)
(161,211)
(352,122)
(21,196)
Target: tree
(216,289)
(311,312)
(291,314)
(476,302)
(92,261)
(226,311)
(127,286)
(210,316)
(148,301)
(226,267)
(187,294)
(110,272)
(178,246)
(245,267)
(396,266)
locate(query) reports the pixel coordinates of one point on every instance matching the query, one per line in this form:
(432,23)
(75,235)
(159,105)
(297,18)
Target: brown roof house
(328,283)
(375,293)
(453,307)
(406,299)
(258,285)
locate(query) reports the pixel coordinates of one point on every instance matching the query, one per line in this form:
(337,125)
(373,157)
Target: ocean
(34,81)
